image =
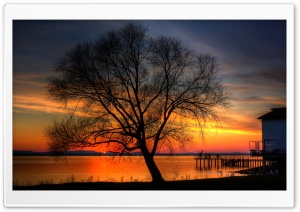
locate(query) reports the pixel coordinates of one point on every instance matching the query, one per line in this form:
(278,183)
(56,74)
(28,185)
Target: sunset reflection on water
(37,169)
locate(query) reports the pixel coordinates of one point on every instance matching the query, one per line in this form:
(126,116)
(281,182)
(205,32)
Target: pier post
(200,163)
(264,165)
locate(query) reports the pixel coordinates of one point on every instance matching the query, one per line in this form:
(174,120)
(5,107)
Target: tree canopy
(133,92)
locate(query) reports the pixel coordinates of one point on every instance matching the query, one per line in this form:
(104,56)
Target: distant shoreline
(94,153)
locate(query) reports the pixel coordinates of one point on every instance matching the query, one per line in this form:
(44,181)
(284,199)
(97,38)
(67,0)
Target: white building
(274,132)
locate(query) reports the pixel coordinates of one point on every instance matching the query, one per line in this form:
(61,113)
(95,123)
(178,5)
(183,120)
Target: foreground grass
(255,182)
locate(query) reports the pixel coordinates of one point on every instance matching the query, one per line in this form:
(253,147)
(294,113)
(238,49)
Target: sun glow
(227,137)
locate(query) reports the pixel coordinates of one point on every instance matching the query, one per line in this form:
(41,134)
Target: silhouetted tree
(133,93)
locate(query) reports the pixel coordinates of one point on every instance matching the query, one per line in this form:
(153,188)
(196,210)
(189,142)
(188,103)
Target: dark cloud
(272,76)
(246,40)
(277,74)
(48,40)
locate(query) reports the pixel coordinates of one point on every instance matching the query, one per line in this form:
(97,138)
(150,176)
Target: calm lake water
(30,170)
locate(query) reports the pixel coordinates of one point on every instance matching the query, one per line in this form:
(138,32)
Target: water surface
(30,170)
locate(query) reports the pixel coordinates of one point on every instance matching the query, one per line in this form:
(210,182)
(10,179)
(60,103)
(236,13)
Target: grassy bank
(255,182)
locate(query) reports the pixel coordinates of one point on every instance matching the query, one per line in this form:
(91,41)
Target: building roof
(276,113)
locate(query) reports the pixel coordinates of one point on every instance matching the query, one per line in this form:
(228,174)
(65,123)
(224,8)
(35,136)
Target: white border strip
(147,11)
(146,198)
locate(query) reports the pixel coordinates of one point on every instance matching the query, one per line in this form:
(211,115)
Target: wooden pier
(217,161)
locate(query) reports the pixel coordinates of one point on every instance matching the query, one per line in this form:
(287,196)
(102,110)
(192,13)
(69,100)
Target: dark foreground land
(254,182)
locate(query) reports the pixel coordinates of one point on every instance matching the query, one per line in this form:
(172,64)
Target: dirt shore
(254,182)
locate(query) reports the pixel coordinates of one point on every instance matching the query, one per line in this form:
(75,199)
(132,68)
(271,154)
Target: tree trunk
(154,171)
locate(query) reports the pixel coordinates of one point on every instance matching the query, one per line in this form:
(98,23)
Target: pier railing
(209,161)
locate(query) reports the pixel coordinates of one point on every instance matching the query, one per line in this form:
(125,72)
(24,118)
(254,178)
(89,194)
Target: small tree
(134,93)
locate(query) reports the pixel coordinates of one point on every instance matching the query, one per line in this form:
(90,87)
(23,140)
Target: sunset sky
(251,54)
